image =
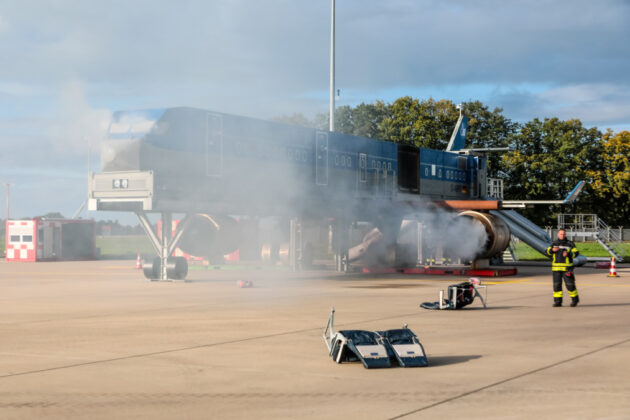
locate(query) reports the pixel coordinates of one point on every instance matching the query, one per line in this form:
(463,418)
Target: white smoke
(463,237)
(78,125)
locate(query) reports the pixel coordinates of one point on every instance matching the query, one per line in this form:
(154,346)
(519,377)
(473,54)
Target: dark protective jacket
(558,261)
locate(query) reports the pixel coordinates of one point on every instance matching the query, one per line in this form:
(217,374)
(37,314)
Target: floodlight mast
(332,67)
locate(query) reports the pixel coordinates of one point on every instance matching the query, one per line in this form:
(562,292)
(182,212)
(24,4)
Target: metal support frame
(329,332)
(295,244)
(165,245)
(419,243)
(341,232)
(453,298)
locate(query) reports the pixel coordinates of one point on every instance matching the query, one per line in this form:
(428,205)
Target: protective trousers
(569,280)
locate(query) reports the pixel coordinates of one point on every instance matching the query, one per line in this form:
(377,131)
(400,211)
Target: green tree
(548,159)
(426,123)
(52,215)
(363,120)
(295,119)
(488,129)
(611,184)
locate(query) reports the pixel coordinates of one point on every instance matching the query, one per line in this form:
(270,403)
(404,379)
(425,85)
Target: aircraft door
(321,158)
(214,145)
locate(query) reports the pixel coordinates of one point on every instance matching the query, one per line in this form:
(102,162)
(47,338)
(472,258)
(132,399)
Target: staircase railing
(609,239)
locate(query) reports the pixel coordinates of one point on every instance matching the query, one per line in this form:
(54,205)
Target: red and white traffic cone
(613,268)
(138,261)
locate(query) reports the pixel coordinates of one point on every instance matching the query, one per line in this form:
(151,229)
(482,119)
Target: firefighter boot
(557,302)
(575,301)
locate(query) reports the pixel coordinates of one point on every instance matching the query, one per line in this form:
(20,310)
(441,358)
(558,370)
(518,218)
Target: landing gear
(164,267)
(176,268)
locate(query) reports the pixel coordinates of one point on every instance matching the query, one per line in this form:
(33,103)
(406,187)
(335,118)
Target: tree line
(545,161)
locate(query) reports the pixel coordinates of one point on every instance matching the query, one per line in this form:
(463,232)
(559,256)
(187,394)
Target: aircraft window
(15,238)
(389,166)
(426,171)
(27,238)
(440,173)
(433,170)
(378,165)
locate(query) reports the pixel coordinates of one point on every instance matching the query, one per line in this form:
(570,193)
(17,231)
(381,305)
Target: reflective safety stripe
(573,293)
(561,267)
(557,294)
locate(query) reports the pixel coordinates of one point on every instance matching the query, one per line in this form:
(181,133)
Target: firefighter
(562,252)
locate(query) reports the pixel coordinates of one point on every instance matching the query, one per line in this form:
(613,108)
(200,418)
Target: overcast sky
(66,65)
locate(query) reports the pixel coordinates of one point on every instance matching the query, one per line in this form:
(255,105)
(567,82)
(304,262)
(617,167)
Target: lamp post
(332,67)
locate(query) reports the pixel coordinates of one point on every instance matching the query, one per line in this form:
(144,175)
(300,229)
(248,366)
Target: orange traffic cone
(613,268)
(138,261)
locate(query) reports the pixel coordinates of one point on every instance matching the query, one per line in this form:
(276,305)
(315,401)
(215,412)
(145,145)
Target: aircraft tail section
(458,138)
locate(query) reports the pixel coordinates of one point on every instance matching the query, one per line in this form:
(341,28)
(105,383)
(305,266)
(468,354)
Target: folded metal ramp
(366,346)
(405,347)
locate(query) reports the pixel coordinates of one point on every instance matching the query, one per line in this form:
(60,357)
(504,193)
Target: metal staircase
(509,255)
(589,225)
(610,240)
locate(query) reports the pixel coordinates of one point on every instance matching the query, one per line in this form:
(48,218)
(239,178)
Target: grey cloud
(67,64)
(601,104)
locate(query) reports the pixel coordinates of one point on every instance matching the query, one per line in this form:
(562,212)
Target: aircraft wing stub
(521,204)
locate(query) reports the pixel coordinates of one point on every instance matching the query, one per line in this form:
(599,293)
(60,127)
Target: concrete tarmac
(95,340)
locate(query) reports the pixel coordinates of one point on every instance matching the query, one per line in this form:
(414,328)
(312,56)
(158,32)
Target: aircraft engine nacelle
(210,236)
(498,232)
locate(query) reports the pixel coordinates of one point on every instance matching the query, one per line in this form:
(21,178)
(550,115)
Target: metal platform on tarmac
(446,271)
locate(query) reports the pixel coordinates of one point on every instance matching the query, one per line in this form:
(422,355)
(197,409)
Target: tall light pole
(332,67)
